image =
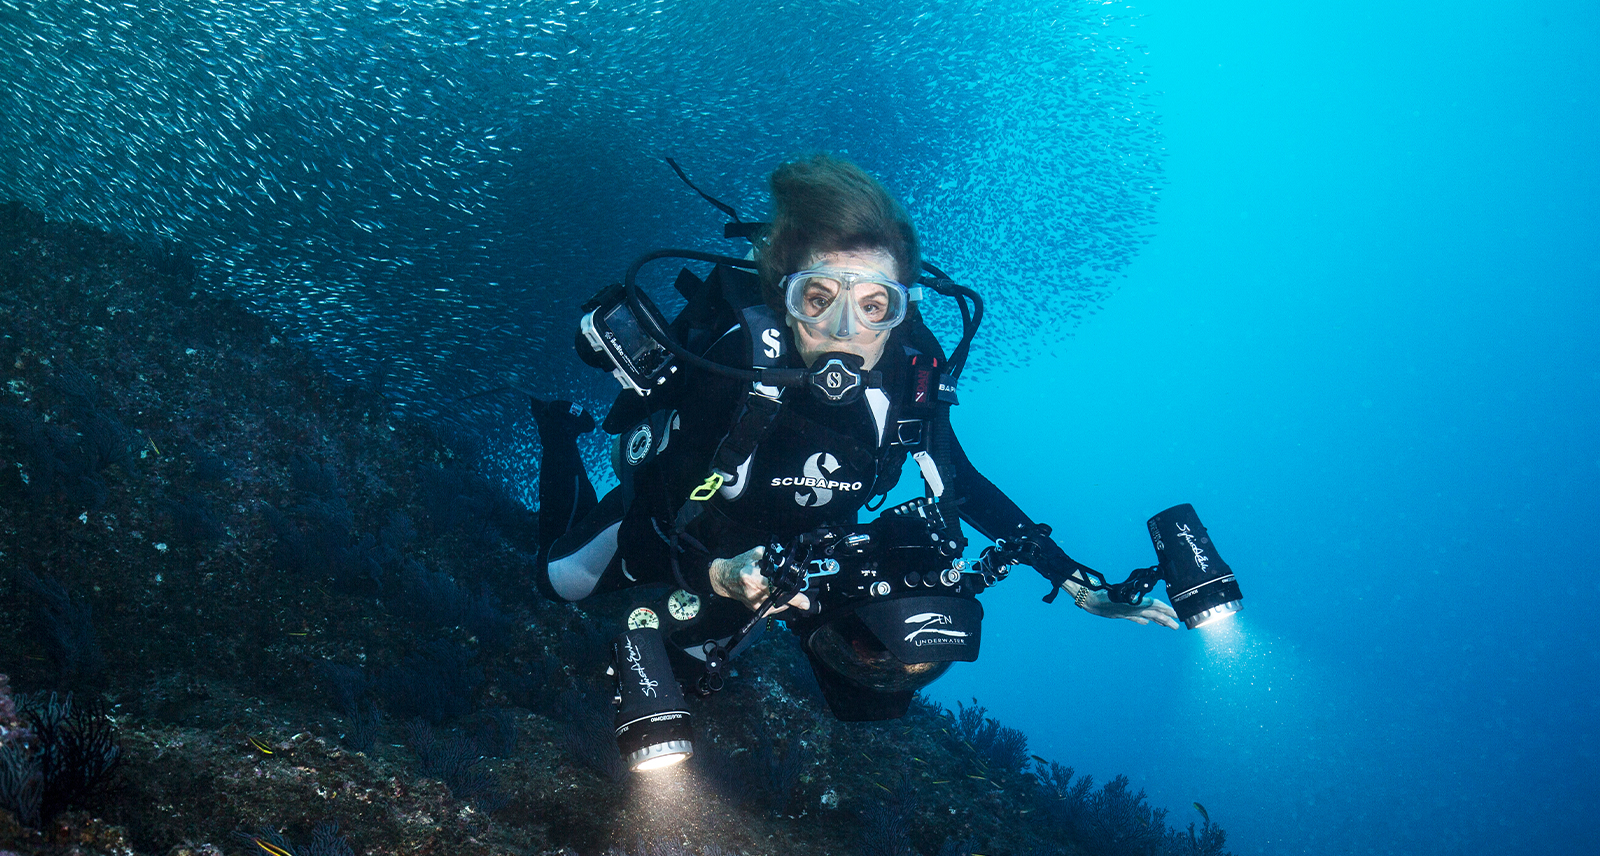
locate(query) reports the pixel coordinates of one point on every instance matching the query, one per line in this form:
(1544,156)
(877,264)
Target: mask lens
(878,306)
(816,295)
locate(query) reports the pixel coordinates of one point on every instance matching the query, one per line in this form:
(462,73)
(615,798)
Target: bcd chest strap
(757,412)
(762,403)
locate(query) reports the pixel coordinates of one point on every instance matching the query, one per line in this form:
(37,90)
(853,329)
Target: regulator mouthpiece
(654,729)
(839,378)
(1199,584)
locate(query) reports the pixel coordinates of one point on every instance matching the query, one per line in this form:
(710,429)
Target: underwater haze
(1362,343)
(1326,271)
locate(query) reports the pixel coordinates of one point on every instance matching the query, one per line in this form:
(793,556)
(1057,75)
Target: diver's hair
(824,204)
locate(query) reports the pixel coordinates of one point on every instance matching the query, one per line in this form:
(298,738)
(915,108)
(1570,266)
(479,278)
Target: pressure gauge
(643,617)
(683,605)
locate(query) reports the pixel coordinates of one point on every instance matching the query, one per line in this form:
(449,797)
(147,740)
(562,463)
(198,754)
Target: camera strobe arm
(785,573)
(1032,546)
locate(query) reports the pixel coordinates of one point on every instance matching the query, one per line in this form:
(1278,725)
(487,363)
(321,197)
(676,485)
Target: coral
(21,782)
(74,384)
(208,467)
(779,770)
(107,442)
(666,847)
(886,824)
(458,498)
(349,687)
(589,737)
(323,546)
(535,685)
(958,847)
(1208,841)
(453,759)
(1111,821)
(730,780)
(52,463)
(1004,749)
(67,626)
(437,684)
(494,732)
(433,600)
(66,763)
(313,477)
(193,522)
(12,729)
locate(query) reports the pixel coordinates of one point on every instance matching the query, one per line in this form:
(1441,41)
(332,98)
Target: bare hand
(740,578)
(1099,603)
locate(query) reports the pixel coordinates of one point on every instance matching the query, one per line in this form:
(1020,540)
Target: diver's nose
(846,327)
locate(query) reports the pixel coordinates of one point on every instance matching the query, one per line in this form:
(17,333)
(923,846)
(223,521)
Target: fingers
(1163,614)
(800,602)
(1166,615)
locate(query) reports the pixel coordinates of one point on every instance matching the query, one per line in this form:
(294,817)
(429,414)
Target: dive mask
(841,300)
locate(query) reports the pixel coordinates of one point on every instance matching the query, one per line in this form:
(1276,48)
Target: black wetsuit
(818,464)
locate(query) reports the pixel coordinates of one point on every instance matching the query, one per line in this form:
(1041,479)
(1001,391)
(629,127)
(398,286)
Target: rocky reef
(246,607)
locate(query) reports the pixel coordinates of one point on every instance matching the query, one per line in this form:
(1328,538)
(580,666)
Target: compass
(683,605)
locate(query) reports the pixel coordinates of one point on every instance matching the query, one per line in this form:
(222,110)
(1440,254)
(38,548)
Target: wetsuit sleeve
(994,515)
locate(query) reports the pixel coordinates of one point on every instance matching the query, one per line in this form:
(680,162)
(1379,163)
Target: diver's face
(815,340)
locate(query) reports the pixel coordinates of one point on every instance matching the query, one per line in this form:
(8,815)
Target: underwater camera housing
(893,605)
(610,339)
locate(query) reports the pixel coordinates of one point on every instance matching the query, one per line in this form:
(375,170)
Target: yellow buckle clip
(708,489)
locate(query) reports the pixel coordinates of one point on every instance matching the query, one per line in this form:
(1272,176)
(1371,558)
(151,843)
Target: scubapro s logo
(774,344)
(639,444)
(819,467)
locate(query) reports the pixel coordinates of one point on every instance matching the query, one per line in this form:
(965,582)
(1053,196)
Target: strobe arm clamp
(1132,590)
(995,562)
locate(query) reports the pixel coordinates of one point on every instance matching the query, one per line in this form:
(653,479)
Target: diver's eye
(818,296)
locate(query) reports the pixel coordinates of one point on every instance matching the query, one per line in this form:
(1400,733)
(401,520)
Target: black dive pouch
(610,339)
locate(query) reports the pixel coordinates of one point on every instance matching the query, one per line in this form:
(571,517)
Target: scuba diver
(786,397)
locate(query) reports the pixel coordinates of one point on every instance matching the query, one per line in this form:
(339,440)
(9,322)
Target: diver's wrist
(1080,594)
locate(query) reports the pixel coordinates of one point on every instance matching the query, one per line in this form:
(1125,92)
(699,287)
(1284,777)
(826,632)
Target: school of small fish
(427,190)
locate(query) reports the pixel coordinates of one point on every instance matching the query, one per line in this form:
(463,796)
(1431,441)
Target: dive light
(1200,584)
(654,729)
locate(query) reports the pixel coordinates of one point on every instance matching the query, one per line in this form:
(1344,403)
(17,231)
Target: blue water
(1327,271)
(1362,344)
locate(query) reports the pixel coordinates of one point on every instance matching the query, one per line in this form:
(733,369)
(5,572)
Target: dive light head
(654,729)
(1200,584)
